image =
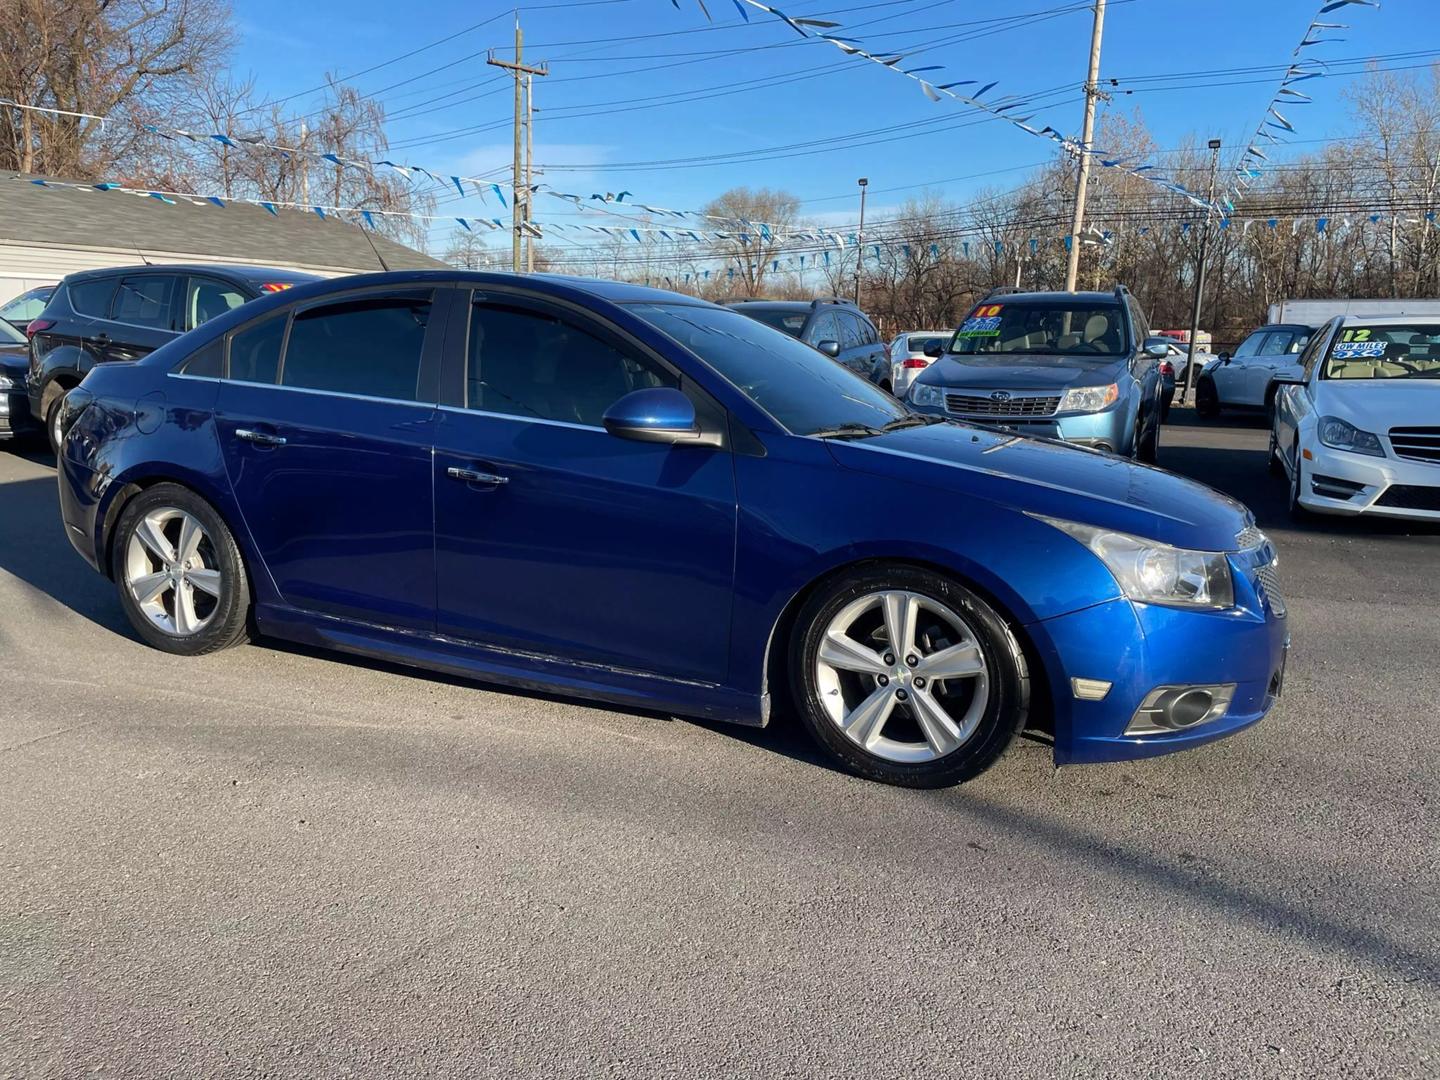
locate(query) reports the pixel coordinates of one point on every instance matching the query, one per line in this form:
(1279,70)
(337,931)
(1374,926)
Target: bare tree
(752,225)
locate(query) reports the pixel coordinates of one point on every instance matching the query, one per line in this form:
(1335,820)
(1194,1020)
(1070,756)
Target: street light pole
(1087,134)
(860,239)
(1214,145)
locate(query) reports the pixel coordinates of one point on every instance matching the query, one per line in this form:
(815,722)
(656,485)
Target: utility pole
(520,190)
(1214,145)
(860,239)
(304,156)
(529,155)
(1087,134)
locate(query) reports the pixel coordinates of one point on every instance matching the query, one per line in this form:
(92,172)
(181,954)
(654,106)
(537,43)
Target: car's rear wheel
(53,418)
(907,677)
(179,572)
(1207,401)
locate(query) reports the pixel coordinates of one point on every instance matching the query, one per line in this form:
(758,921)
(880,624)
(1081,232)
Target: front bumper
(1139,647)
(1384,487)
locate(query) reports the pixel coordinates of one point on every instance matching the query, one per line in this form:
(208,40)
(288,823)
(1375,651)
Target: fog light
(1176,708)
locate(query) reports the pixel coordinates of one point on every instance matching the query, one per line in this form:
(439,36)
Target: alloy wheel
(902,676)
(172,571)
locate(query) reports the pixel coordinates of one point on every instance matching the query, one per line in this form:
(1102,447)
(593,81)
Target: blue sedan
(634,496)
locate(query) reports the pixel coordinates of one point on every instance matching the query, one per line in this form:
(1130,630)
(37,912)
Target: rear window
(1064,329)
(92,296)
(792,322)
(920,344)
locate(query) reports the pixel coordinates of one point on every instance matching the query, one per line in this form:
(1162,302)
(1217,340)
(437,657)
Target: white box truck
(1315,312)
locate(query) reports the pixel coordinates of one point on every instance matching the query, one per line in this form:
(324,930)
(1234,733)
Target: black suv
(123,313)
(836,327)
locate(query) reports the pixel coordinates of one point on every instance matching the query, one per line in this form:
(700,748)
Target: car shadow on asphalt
(34,549)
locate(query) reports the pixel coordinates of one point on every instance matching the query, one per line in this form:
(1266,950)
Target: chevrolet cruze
(634,496)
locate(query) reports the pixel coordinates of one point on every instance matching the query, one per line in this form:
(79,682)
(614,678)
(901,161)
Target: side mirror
(659,414)
(935,350)
(1157,348)
(1224,358)
(829,348)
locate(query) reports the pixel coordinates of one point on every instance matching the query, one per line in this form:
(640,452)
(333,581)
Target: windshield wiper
(913,420)
(848,430)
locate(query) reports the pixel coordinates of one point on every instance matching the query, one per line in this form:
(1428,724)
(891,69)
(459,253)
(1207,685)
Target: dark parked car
(21,309)
(836,327)
(15,419)
(627,494)
(1080,366)
(122,314)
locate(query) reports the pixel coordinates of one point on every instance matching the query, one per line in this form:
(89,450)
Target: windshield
(803,389)
(792,322)
(9,335)
(1066,329)
(1411,351)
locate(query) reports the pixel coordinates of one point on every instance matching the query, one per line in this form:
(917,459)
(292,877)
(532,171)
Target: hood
(1380,404)
(1021,372)
(1052,478)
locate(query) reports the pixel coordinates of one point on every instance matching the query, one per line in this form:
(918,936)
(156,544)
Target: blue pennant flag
(499,195)
(459,186)
(106,186)
(464,224)
(163,198)
(270,208)
(216,202)
(319,212)
(1320,224)
(369,218)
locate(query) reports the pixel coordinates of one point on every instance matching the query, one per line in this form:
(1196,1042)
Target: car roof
(1388,320)
(256,274)
(1051,298)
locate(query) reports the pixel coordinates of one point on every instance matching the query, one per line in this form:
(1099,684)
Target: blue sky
(637,82)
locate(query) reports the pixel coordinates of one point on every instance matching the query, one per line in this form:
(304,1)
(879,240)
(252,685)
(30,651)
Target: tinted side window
(1140,324)
(853,328)
(208,362)
(528,363)
(255,351)
(145,301)
(825,328)
(92,297)
(369,345)
(205,298)
(868,331)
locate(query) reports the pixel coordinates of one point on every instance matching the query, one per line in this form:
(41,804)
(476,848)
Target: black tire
(1207,401)
(885,385)
(226,616)
(1273,462)
(1297,512)
(1007,679)
(52,422)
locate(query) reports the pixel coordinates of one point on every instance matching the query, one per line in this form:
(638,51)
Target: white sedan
(908,355)
(1357,424)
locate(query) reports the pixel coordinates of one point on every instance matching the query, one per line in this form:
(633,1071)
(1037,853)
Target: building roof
(87,218)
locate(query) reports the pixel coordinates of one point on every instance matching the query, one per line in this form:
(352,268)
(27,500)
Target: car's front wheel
(907,677)
(179,572)
(1207,401)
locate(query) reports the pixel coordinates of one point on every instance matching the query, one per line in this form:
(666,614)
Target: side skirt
(526,671)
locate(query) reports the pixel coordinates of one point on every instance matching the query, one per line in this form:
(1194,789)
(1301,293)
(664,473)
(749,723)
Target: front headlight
(927,394)
(1342,435)
(12,382)
(1090,398)
(1156,573)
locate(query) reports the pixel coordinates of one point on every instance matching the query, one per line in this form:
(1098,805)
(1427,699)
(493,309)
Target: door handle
(475,476)
(259,438)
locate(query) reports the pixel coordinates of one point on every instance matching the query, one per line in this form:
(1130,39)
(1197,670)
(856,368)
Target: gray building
(48,232)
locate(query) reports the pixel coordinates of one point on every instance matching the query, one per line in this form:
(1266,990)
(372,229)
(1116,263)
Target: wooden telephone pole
(520,175)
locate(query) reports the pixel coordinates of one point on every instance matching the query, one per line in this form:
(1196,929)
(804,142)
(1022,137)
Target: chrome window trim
(323,393)
(463,411)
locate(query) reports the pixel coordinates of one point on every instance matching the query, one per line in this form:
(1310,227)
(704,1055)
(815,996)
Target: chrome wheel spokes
(172,571)
(902,676)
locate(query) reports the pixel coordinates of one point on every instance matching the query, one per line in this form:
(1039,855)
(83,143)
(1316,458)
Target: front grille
(1410,497)
(1267,582)
(1010,405)
(1417,443)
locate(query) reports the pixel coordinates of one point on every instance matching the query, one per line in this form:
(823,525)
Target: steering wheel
(1086,347)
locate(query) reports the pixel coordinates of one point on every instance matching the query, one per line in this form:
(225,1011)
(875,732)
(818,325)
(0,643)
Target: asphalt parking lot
(271,862)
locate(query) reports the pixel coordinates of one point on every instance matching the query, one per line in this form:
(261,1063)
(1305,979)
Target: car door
(824,326)
(1280,352)
(1231,378)
(554,537)
(142,318)
(326,418)
(854,349)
